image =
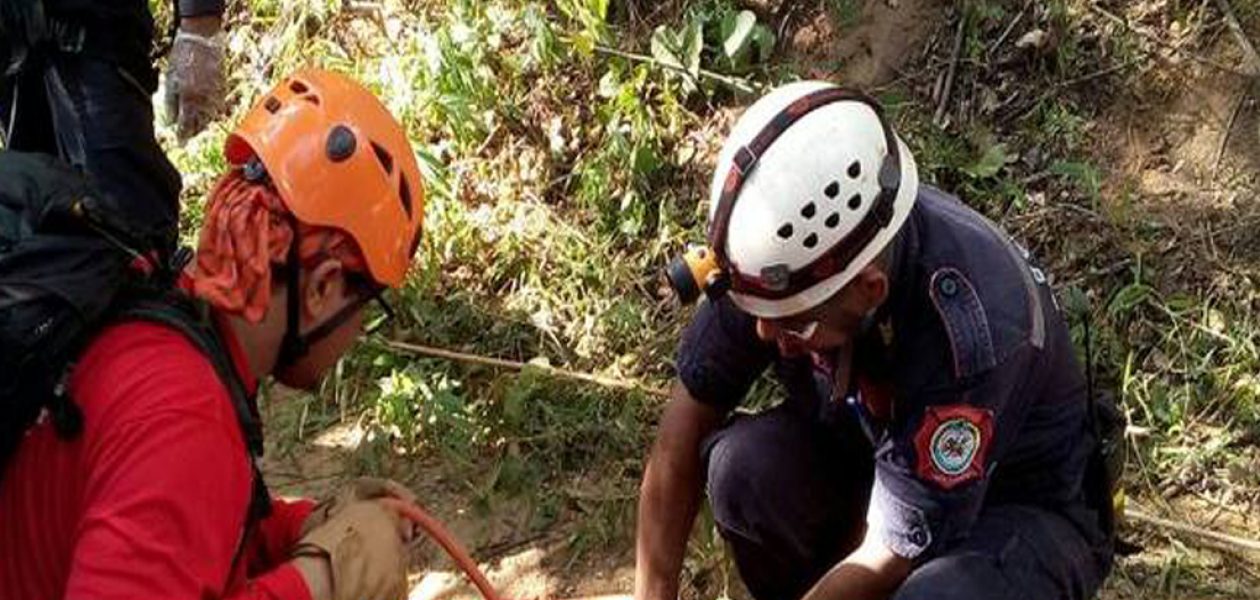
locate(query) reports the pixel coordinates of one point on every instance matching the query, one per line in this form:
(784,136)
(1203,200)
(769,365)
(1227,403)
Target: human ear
(874,284)
(325,290)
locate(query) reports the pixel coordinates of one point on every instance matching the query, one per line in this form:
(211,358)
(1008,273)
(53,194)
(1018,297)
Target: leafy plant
(720,40)
(1084,176)
(592,17)
(681,49)
(991,162)
(744,41)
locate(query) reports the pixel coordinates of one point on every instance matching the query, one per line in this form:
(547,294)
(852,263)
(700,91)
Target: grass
(561,177)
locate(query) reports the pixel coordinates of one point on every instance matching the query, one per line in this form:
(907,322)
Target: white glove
(195,83)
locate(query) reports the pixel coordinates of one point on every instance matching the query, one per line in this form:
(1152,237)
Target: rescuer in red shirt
(323,196)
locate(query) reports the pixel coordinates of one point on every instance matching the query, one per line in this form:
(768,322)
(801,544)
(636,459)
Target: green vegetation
(567,146)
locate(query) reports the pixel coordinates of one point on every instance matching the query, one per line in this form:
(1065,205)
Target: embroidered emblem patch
(952,443)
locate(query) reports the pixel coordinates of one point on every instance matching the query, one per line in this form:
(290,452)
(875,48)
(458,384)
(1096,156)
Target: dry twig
(1229,128)
(1248,48)
(1007,32)
(1253,58)
(738,84)
(1060,86)
(513,365)
(1222,539)
(1161,42)
(947,91)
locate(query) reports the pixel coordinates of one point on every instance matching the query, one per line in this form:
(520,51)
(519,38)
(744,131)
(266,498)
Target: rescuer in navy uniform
(934,436)
(76,77)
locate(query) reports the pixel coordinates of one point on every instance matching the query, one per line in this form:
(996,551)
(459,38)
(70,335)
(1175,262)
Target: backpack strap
(191,318)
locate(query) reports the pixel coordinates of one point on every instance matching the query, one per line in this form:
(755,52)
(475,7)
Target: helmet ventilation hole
(312,98)
(298,87)
(272,104)
(415,243)
(785,231)
(809,210)
(811,240)
(833,220)
(382,155)
(855,169)
(404,193)
(832,190)
(855,202)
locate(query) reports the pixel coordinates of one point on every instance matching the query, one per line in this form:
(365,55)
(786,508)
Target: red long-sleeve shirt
(150,501)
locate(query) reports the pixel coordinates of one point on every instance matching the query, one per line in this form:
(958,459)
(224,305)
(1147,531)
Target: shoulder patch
(965,321)
(952,443)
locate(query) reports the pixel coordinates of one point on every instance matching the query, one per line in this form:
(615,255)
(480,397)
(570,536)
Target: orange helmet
(339,159)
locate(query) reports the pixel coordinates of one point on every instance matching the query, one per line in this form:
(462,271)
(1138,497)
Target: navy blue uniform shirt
(120,31)
(966,384)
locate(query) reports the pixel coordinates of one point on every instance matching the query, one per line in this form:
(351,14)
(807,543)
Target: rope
(432,527)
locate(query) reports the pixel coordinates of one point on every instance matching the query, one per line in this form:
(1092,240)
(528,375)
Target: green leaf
(1129,298)
(764,39)
(1084,176)
(1076,302)
(584,43)
(990,163)
(737,36)
(645,161)
(680,51)
(694,46)
(743,41)
(599,9)
(665,47)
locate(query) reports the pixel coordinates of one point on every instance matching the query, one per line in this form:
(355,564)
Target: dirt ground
(1178,152)
(521,568)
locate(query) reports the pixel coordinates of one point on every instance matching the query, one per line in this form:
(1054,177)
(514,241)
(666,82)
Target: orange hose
(431,526)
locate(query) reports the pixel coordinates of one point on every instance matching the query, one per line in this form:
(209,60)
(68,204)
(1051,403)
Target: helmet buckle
(776,277)
(745,160)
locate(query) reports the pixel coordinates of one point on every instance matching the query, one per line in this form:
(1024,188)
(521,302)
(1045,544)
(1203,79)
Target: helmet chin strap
(293,347)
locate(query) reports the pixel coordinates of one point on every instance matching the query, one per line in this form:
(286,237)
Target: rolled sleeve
(914,519)
(720,356)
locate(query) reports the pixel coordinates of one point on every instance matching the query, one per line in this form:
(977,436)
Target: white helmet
(806,193)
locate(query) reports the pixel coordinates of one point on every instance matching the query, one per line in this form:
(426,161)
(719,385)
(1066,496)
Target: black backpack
(68,268)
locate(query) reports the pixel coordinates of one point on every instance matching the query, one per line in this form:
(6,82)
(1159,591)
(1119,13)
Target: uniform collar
(905,253)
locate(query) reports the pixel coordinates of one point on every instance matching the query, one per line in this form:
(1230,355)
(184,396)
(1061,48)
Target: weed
(845,13)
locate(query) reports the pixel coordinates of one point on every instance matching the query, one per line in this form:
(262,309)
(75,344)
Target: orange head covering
(247,230)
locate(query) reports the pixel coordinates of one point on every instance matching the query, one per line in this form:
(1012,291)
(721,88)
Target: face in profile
(831,325)
(327,295)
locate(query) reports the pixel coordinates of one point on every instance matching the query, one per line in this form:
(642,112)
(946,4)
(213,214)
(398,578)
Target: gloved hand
(195,83)
(364,546)
(363,488)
